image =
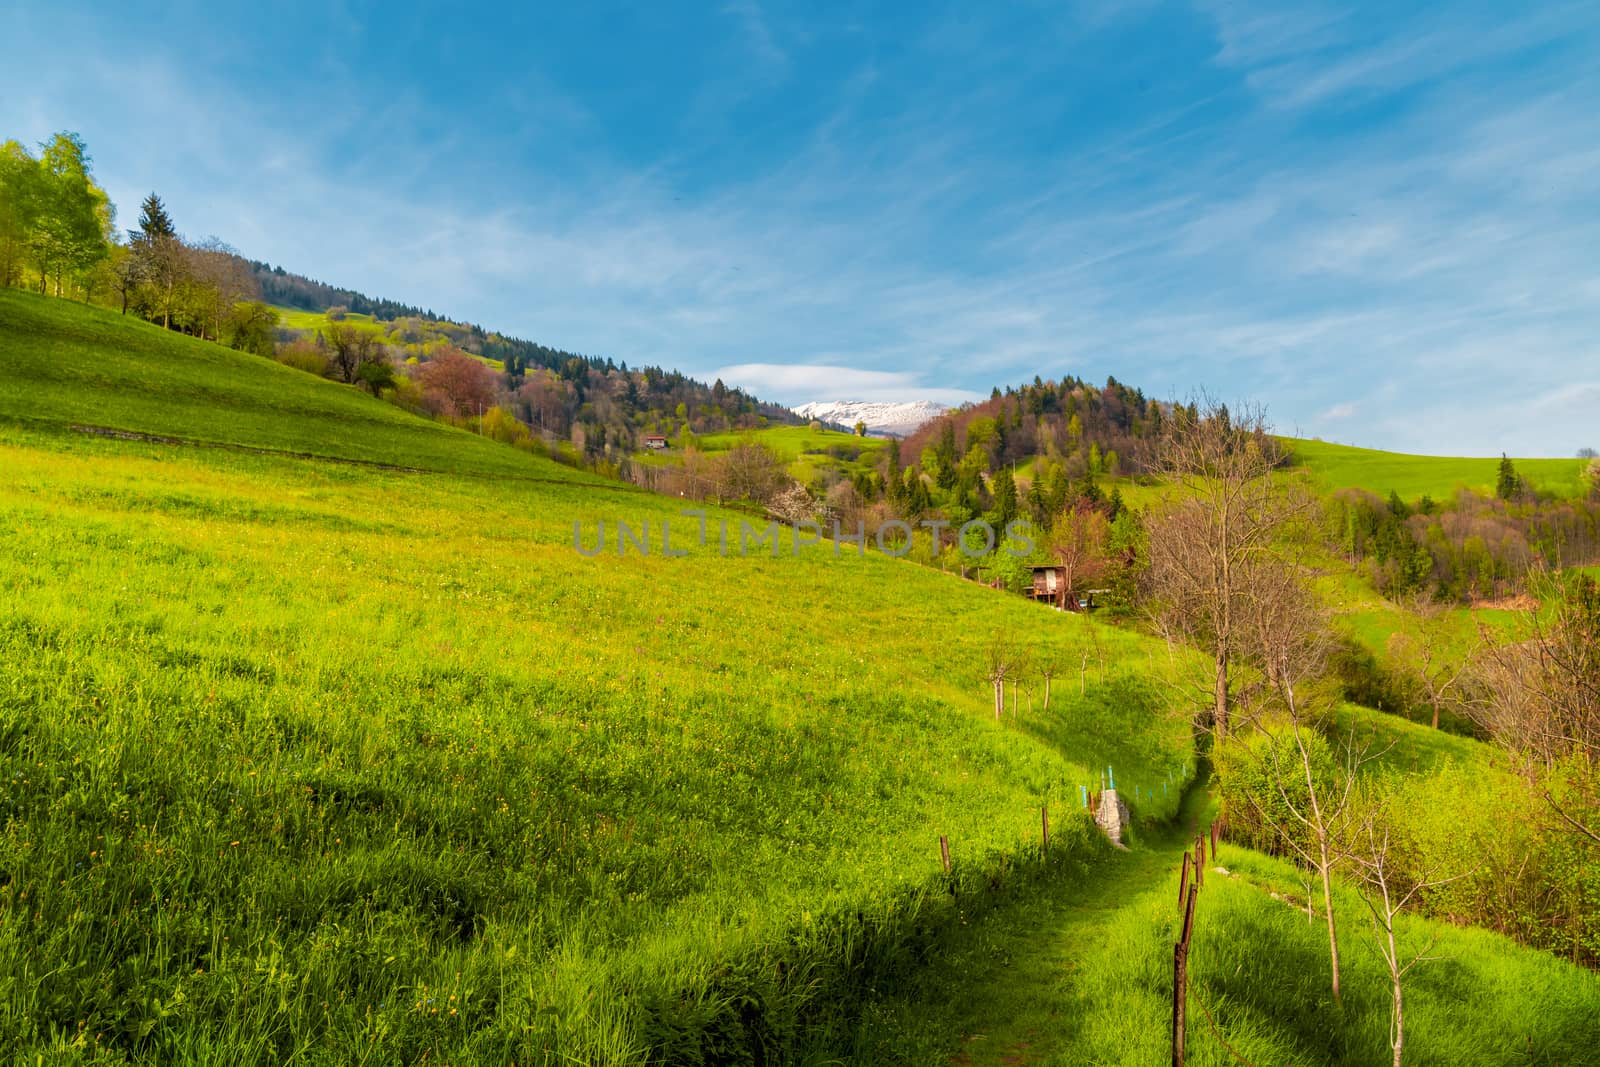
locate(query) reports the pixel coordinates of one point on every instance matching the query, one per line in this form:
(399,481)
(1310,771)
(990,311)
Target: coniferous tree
(1005,496)
(160,255)
(1507,484)
(893,485)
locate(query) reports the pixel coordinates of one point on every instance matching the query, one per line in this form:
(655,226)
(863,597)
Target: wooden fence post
(944,852)
(1200,860)
(1179,984)
(1183,879)
(1180,978)
(1044,827)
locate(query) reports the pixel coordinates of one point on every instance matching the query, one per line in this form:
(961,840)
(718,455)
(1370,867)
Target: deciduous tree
(454,383)
(1078,541)
(1223,513)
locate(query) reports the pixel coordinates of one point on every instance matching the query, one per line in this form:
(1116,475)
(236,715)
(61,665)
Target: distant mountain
(885,417)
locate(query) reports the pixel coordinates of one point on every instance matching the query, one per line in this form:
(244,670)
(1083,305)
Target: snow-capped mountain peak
(885,417)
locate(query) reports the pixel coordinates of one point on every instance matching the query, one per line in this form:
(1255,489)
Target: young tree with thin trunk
(1048,668)
(1387,894)
(1223,513)
(1287,635)
(1000,664)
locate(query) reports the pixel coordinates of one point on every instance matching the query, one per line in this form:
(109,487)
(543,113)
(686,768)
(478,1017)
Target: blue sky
(1381,222)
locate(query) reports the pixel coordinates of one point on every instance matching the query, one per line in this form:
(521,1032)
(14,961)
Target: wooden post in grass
(1188,917)
(1183,879)
(944,852)
(1215,828)
(1044,827)
(1180,978)
(1200,860)
(1179,982)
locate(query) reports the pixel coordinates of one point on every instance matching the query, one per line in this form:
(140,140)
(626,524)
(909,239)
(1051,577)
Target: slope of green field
(66,364)
(807,452)
(1085,976)
(790,442)
(298,319)
(334,763)
(1260,970)
(1344,467)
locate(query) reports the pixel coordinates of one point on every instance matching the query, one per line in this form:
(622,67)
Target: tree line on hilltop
(58,236)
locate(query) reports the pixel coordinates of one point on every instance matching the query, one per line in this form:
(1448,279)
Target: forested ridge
(59,236)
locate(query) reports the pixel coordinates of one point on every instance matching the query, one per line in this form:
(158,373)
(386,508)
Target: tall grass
(340,764)
(1259,968)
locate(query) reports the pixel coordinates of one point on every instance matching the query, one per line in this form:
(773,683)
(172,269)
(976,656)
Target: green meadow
(791,442)
(1344,467)
(310,321)
(328,762)
(321,741)
(63,364)
(1062,976)
(1258,981)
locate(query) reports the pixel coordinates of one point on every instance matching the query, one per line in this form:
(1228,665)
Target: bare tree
(751,470)
(1078,543)
(1287,634)
(1000,664)
(1440,674)
(1387,894)
(1020,660)
(1048,666)
(1222,515)
(1540,697)
(215,278)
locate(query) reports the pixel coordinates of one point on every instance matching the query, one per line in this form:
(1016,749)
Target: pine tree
(945,452)
(1005,496)
(894,486)
(154,222)
(159,252)
(1507,485)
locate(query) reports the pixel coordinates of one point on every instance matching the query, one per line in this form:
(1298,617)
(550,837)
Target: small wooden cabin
(655,441)
(1049,583)
(1050,586)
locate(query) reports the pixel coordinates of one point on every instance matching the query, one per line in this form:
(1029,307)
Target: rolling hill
(303,756)
(1345,467)
(326,735)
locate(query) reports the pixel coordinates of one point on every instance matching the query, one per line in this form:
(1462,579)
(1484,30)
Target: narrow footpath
(1004,994)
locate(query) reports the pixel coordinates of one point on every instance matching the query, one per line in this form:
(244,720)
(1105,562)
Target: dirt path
(1005,994)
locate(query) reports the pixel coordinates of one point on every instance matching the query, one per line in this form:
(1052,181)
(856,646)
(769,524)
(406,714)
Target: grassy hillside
(65,364)
(1343,467)
(1261,971)
(807,452)
(338,763)
(1085,976)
